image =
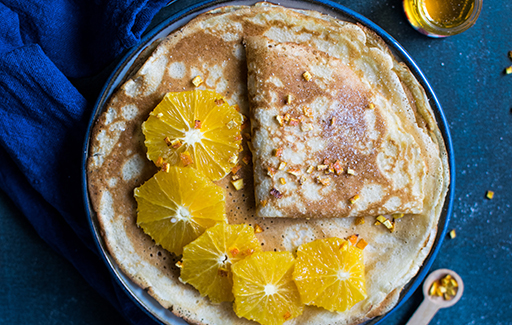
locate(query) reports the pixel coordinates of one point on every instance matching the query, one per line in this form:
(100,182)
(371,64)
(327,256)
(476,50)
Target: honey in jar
(441,18)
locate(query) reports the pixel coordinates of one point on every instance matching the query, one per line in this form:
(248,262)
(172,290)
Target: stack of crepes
(340,130)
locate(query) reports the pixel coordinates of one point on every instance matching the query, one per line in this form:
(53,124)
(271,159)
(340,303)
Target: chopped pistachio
(337,167)
(324,181)
(168,141)
(453,234)
(179,264)
(282,165)
(508,70)
(289,99)
(233,159)
(362,244)
(310,169)
(308,111)
(159,162)
(353,239)
(381,219)
(235,177)
(354,199)
(219,101)
(322,167)
(302,180)
(176,143)
(247,159)
(238,184)
(397,215)
(166,167)
(197,81)
(489,195)
(305,127)
(294,122)
(271,171)
(234,251)
(257,228)
(294,171)
(344,246)
(159,115)
(333,120)
(307,75)
(263,203)
(286,117)
(359,221)
(282,180)
(280,119)
(388,225)
(370,106)
(278,152)
(287,315)
(235,169)
(351,171)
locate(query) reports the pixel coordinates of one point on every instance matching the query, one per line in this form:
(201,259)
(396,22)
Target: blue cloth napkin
(43,45)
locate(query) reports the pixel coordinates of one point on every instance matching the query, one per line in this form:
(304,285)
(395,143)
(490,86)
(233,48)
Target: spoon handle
(424,313)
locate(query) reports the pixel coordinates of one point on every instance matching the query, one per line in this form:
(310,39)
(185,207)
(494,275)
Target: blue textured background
(37,286)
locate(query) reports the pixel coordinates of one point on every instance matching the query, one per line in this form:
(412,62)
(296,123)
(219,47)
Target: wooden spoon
(431,304)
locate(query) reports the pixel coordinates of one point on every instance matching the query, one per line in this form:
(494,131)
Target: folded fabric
(44,44)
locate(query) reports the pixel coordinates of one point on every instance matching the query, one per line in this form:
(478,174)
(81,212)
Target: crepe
(211,46)
(326,145)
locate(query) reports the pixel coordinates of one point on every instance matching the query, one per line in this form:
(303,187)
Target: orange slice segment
(174,208)
(207,261)
(194,128)
(330,273)
(264,289)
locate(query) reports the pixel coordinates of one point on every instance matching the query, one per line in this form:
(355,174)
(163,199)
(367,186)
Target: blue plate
(176,20)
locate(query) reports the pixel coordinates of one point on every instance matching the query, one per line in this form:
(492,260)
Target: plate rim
(189,13)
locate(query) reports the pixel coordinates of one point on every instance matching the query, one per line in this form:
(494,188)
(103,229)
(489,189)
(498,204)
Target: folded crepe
(211,45)
(325,144)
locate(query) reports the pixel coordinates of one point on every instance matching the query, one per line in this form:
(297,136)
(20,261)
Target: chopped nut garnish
(370,106)
(308,111)
(231,124)
(176,143)
(278,152)
(381,219)
(333,121)
(263,203)
(294,122)
(453,234)
(235,169)
(282,180)
(489,195)
(305,127)
(223,272)
(247,159)
(282,165)
(388,225)
(286,117)
(234,251)
(238,184)
(330,170)
(354,199)
(197,124)
(235,177)
(271,171)
(310,169)
(445,287)
(289,99)
(307,76)
(353,239)
(397,215)
(287,315)
(337,167)
(185,158)
(159,162)
(280,120)
(362,244)
(294,171)
(302,180)
(166,167)
(351,171)
(508,70)
(377,223)
(276,193)
(168,141)
(159,115)
(248,252)
(233,159)
(197,81)
(322,167)
(326,161)
(257,229)
(179,264)
(324,181)
(219,101)
(359,221)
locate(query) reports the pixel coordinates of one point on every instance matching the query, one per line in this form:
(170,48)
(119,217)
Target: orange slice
(194,128)
(207,261)
(330,273)
(264,289)
(175,207)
